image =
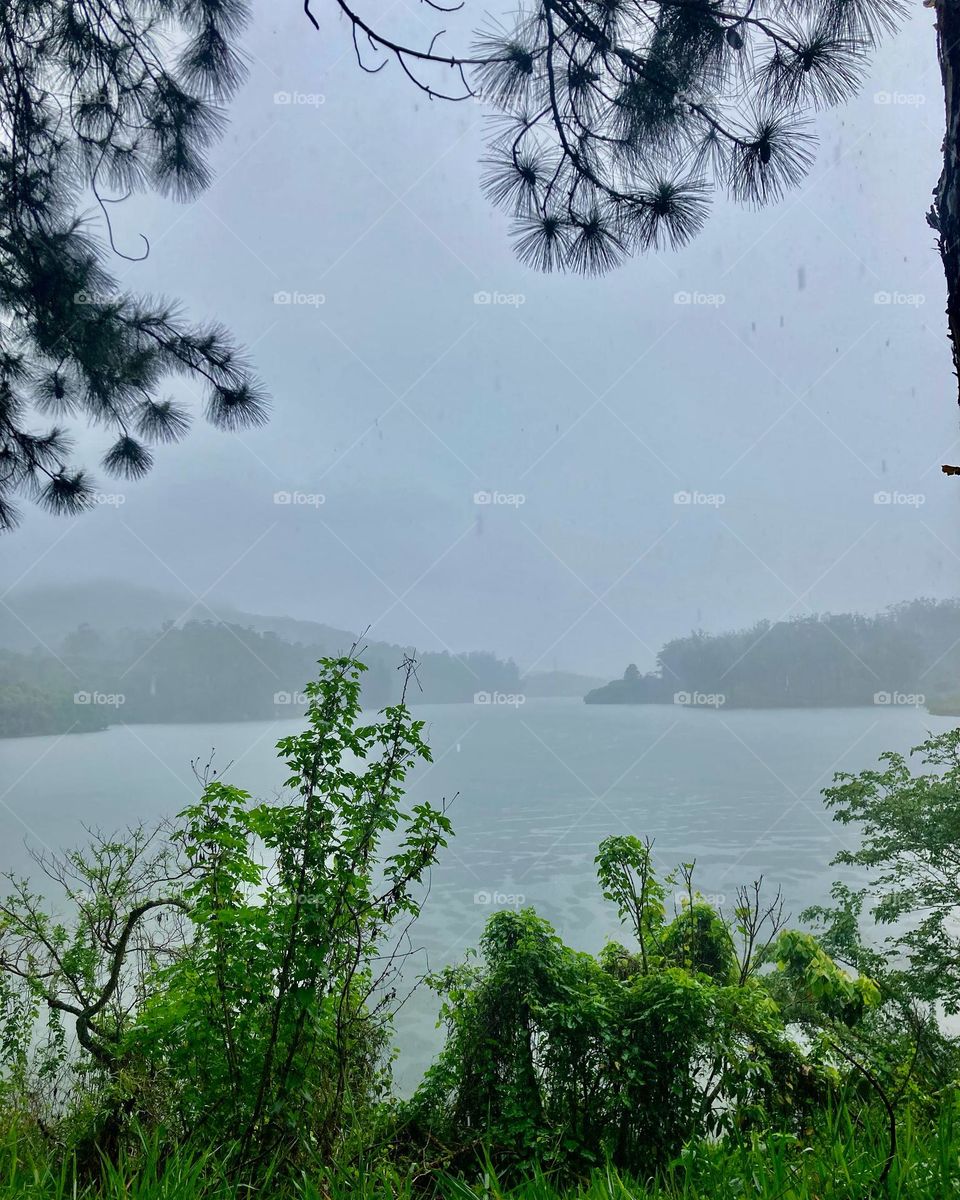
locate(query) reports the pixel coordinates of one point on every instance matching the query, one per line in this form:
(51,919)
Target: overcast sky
(793,398)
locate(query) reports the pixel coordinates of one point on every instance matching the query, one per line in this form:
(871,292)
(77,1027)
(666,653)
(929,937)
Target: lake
(538,786)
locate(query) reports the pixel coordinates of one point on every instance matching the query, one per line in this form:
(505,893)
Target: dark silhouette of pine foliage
(99,99)
(619,119)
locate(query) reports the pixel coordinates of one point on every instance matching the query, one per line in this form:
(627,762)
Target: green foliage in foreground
(557,1058)
(909,826)
(232,972)
(210,1006)
(842,1162)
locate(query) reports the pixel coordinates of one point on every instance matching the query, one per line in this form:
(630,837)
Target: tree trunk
(944,216)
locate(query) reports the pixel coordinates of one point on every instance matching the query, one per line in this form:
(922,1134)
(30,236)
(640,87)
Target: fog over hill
(148,656)
(46,614)
(175,659)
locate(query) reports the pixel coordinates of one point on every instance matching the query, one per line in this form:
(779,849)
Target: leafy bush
(235,973)
(909,850)
(557,1058)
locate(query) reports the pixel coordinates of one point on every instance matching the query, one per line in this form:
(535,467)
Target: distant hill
(907,655)
(81,658)
(45,615)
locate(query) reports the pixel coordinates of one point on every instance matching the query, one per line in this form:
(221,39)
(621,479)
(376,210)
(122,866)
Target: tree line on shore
(208,671)
(908,654)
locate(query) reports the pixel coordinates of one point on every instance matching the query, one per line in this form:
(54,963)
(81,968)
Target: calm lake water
(538,787)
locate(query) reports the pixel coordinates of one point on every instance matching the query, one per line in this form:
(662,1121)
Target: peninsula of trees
(911,650)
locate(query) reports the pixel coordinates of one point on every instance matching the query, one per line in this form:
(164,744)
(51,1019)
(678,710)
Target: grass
(843,1163)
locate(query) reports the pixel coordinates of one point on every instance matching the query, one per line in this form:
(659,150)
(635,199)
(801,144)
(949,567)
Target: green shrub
(232,974)
(560,1060)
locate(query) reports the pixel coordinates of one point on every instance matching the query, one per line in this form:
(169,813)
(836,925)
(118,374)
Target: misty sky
(398,398)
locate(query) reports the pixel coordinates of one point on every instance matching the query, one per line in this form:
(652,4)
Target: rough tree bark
(944,216)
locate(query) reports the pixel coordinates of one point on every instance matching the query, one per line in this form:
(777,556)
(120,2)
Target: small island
(633,688)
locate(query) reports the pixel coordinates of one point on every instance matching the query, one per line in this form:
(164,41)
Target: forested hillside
(208,671)
(908,654)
